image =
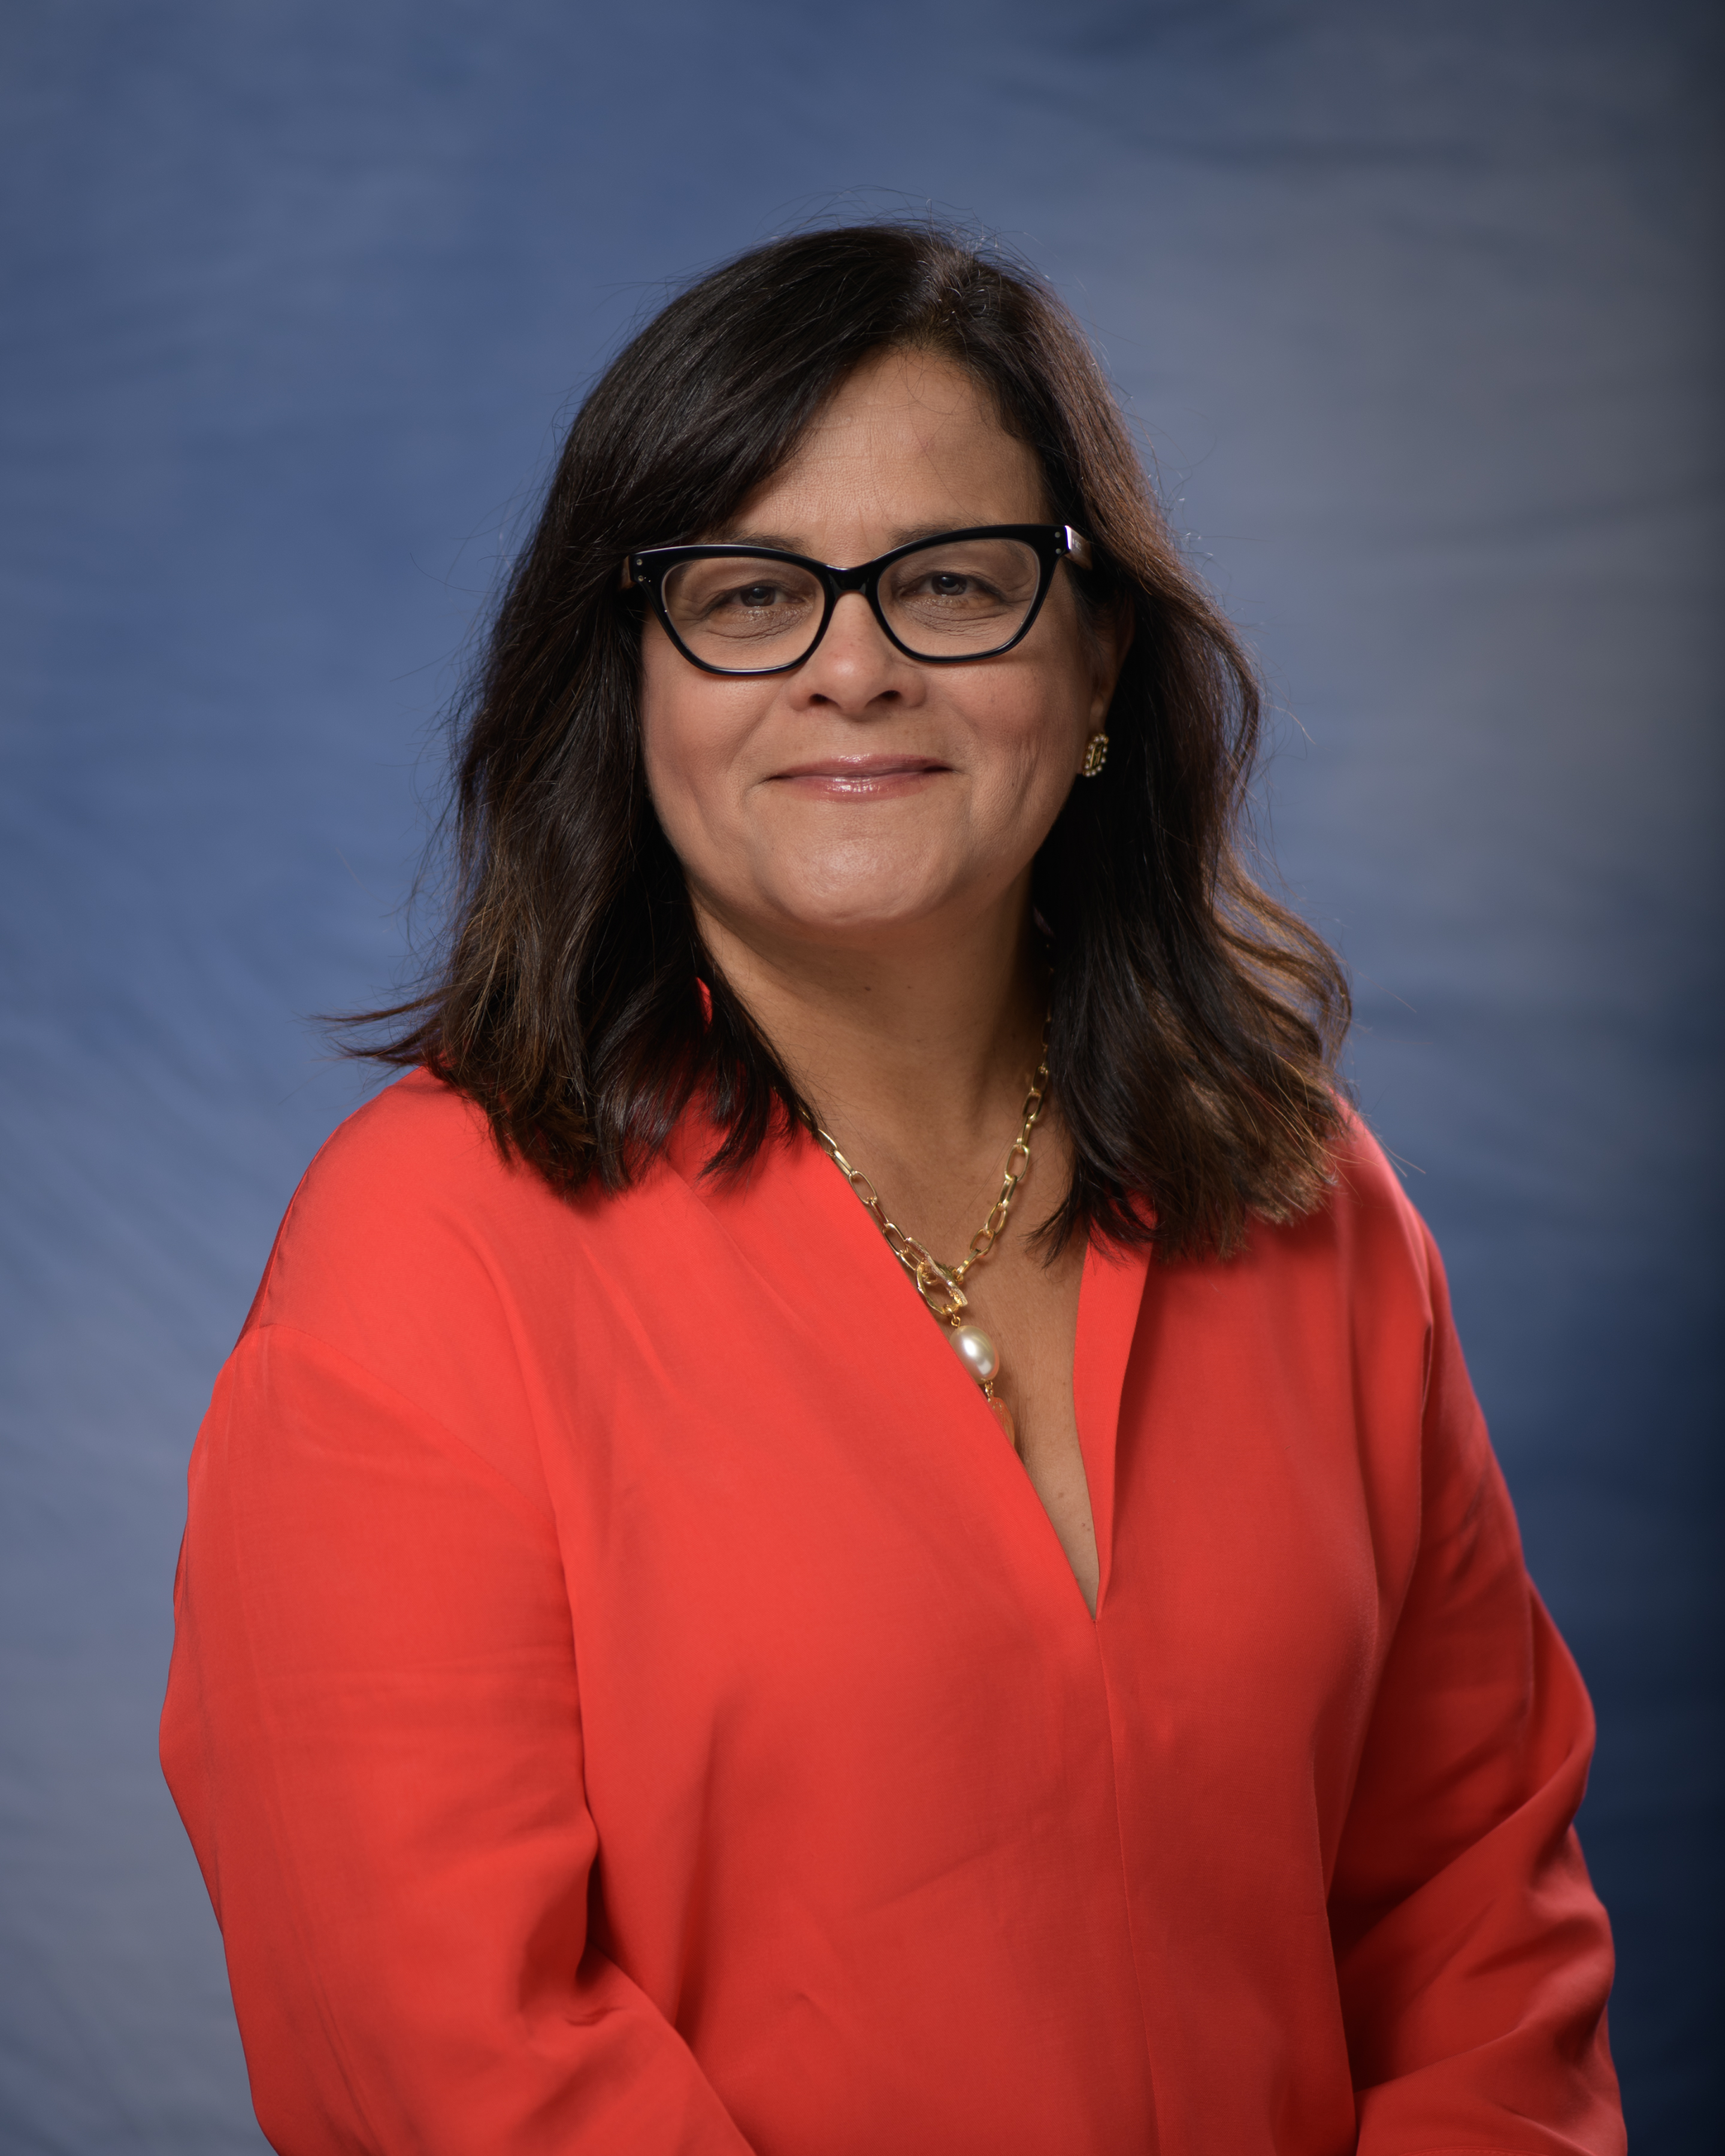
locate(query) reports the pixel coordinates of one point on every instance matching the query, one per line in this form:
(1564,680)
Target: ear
(1111,639)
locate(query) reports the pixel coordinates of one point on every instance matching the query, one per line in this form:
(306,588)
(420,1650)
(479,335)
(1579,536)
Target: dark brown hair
(1195,1020)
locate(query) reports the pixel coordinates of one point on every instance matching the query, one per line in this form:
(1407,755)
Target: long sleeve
(1473,1958)
(373,1734)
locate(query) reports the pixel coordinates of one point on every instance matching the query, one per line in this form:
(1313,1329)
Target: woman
(637,1687)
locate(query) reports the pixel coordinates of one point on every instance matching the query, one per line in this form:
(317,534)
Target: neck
(934,1034)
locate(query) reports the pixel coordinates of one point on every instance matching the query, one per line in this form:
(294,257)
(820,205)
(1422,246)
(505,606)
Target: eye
(949,588)
(752,600)
(958,596)
(757,597)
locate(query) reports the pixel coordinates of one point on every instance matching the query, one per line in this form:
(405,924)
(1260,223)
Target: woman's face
(863,796)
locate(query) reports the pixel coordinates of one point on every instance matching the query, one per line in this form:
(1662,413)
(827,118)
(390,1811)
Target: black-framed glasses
(959,596)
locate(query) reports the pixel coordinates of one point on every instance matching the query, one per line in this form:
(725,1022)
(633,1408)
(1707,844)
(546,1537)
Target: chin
(857,914)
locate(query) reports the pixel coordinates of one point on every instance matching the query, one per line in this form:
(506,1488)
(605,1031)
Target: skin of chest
(1029,1306)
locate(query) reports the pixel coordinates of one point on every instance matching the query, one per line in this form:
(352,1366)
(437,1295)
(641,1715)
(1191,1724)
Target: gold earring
(1095,755)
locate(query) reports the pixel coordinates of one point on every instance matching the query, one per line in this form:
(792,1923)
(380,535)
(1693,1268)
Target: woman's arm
(373,1734)
(1474,1957)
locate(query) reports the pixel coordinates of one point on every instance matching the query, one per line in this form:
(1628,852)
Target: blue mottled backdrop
(1417,306)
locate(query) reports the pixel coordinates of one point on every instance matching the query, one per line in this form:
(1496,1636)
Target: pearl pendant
(977,1351)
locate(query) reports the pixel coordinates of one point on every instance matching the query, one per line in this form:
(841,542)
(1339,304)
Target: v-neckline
(1110,1297)
(1111,1291)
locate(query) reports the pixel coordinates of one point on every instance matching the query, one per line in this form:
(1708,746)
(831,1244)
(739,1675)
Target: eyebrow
(778,541)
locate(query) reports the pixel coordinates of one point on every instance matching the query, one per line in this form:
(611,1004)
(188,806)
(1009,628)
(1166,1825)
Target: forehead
(908,441)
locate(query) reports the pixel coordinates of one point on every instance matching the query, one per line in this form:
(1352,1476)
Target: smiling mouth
(861,776)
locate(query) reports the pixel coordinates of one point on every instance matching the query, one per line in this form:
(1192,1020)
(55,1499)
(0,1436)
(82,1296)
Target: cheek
(1033,736)
(667,737)
(680,743)
(1042,714)
(695,731)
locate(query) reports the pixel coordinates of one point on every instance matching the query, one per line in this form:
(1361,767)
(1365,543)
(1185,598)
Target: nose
(856,669)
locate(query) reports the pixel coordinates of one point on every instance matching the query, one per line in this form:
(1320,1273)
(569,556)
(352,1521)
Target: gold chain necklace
(942,1287)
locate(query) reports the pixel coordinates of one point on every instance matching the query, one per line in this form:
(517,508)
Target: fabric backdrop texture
(1416,310)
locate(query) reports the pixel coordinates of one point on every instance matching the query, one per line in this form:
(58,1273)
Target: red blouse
(628,1697)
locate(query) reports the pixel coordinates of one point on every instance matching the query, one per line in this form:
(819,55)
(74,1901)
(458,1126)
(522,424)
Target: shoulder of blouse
(415,1250)
(1366,1237)
(393,1199)
(411,1195)
(1364,1177)
(422,1257)
(1395,1280)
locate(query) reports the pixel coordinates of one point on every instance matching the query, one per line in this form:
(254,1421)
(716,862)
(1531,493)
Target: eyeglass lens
(948,600)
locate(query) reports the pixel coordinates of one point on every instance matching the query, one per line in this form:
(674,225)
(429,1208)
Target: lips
(864,768)
(861,779)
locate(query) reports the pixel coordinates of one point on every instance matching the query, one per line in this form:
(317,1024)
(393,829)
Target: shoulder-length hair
(1195,1020)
